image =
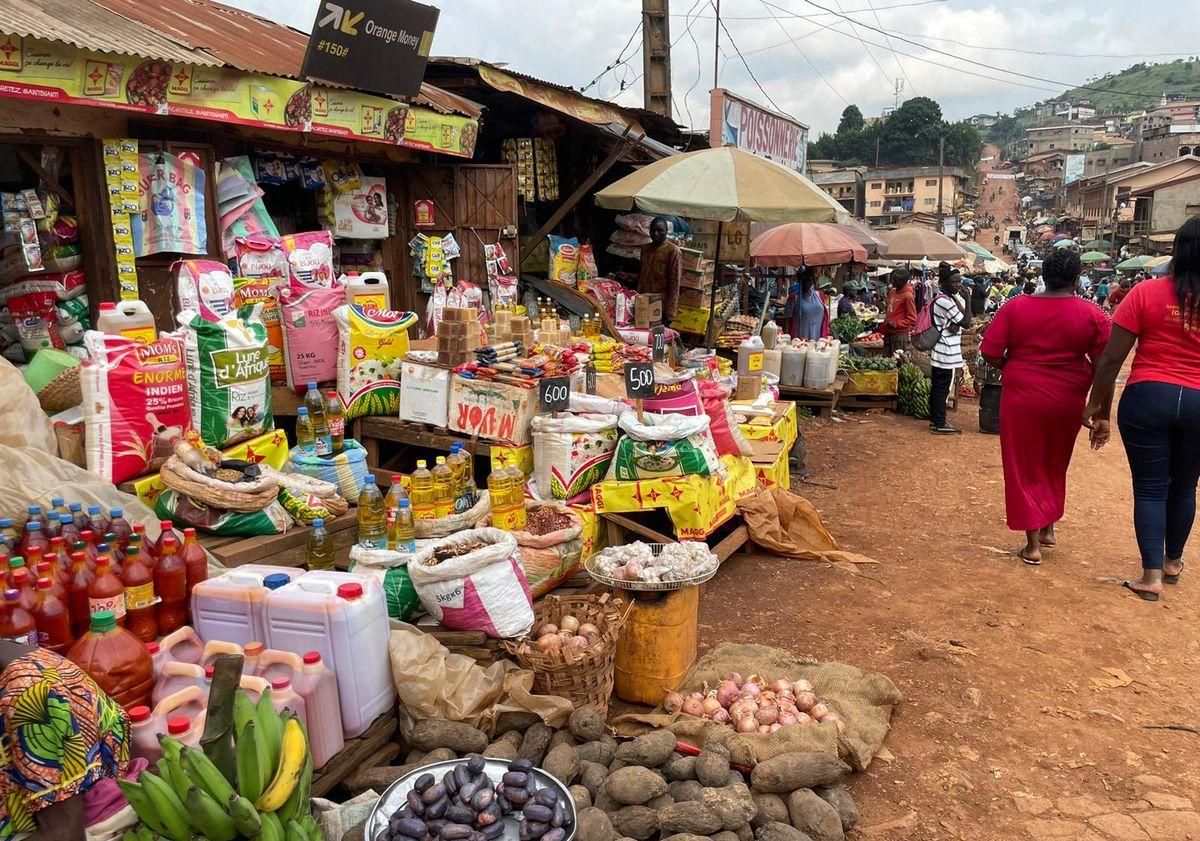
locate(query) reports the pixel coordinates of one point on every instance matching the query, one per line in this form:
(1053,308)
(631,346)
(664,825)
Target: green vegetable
(846,328)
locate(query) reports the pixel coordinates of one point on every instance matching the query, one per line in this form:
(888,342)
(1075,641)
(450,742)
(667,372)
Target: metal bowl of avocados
(395,798)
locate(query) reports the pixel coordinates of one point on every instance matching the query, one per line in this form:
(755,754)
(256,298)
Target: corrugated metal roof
(89,26)
(195,31)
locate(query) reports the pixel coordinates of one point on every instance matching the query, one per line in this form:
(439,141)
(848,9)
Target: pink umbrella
(806,244)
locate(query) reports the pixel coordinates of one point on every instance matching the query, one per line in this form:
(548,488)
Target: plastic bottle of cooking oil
(443,488)
(372,522)
(405,530)
(517,498)
(500,491)
(305,441)
(458,462)
(391,505)
(420,492)
(320,546)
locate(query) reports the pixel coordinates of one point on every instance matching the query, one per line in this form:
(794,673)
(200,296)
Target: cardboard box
(696,280)
(691,319)
(880,383)
(695,298)
(647,311)
(521,457)
(781,427)
(493,411)
(776,473)
(424,393)
(693,259)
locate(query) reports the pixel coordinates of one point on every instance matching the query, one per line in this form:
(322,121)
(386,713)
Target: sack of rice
(229,376)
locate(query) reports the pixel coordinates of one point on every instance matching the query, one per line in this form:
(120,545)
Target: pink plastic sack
(310,335)
(310,260)
(722,423)
(680,397)
(204,287)
(260,256)
(483,590)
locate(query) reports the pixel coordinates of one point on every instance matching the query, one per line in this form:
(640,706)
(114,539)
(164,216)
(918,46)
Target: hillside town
(463,422)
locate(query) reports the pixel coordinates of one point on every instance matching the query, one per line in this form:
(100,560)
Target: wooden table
(373,432)
(623,528)
(288,549)
(822,401)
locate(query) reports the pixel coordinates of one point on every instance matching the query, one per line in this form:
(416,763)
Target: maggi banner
(426,129)
(358,116)
(229,95)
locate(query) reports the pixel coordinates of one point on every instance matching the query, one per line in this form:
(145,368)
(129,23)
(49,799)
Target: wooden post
(709,336)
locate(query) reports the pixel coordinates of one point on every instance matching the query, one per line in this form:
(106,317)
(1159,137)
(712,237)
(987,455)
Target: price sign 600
(554,394)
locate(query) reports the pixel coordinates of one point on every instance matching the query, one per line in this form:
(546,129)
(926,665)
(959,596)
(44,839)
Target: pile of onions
(752,705)
(567,634)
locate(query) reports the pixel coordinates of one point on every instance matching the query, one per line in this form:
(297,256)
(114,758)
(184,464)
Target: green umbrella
(1094,257)
(1133,263)
(978,249)
(1097,245)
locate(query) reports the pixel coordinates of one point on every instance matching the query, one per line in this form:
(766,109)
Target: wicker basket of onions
(573,647)
(754,705)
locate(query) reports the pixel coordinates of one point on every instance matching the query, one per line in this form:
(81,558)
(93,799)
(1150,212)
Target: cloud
(809,62)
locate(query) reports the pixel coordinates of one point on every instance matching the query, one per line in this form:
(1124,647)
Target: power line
(1045,53)
(696,81)
(746,64)
(617,62)
(866,49)
(803,55)
(791,14)
(895,57)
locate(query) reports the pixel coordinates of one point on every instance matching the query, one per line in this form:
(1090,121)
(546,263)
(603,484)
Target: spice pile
(454,550)
(544,520)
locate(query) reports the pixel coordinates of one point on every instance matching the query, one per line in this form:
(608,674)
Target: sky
(810,58)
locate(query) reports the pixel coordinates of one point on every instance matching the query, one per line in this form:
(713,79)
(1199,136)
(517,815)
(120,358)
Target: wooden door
(485,199)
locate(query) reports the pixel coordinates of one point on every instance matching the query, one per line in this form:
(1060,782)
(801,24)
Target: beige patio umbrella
(722,185)
(915,243)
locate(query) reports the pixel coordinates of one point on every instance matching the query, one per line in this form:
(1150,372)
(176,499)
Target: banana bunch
(267,801)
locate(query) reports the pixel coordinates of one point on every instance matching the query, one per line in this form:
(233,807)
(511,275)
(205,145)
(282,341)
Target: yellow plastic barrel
(657,645)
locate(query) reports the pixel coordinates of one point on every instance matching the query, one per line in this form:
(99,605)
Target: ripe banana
(271,725)
(292,759)
(272,829)
(298,803)
(208,818)
(167,806)
(252,769)
(245,816)
(204,774)
(141,805)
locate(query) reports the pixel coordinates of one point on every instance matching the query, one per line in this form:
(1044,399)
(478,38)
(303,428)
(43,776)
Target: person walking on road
(1159,413)
(1046,345)
(949,313)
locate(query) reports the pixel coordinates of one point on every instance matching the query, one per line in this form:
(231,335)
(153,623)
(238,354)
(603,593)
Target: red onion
(727,693)
(735,678)
(766,697)
(803,718)
(767,715)
(837,721)
(721,716)
(746,724)
(782,685)
(773,727)
(710,704)
(750,690)
(764,728)
(786,718)
(801,686)
(548,628)
(742,707)
(672,702)
(819,711)
(805,701)
(692,706)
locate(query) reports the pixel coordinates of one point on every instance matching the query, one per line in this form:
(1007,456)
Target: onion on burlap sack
(863,700)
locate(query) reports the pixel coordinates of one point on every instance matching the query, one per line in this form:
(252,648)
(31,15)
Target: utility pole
(877,151)
(656,56)
(941,180)
(899,89)
(717,47)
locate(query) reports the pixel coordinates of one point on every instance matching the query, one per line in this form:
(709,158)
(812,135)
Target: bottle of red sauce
(89,545)
(170,580)
(195,560)
(149,556)
(119,526)
(53,619)
(77,593)
(139,597)
(34,537)
(115,553)
(16,623)
(106,592)
(60,556)
(23,583)
(51,572)
(166,529)
(116,659)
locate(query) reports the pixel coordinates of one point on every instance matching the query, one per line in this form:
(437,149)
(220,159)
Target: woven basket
(228,496)
(62,392)
(583,677)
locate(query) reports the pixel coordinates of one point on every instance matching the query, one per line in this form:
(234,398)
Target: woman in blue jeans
(1159,415)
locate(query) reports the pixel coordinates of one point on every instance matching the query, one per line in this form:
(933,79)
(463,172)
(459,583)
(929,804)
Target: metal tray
(648,586)
(395,796)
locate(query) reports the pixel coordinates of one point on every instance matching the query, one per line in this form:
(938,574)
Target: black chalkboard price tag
(589,378)
(554,394)
(639,380)
(658,343)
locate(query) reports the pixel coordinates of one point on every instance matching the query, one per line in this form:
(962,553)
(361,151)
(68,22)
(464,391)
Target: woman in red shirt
(1159,413)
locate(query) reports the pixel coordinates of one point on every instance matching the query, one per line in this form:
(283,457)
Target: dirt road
(1015,723)
(998,197)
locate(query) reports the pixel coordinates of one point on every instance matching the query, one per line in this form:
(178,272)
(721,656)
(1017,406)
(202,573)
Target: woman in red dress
(1046,345)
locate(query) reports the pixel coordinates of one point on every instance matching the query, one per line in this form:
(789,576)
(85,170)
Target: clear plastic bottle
(97,522)
(315,404)
(77,593)
(420,491)
(34,537)
(305,435)
(170,584)
(34,515)
(8,533)
(81,520)
(320,545)
(66,529)
(53,619)
(195,561)
(106,593)
(119,526)
(372,521)
(457,462)
(335,418)
(390,506)
(405,530)
(500,492)
(443,489)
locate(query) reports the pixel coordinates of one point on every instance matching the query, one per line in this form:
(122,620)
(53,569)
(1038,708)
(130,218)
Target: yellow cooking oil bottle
(517,498)
(500,491)
(420,492)
(443,488)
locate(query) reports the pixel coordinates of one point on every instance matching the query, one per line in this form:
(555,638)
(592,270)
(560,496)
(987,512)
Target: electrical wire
(803,55)
(866,49)
(699,70)
(746,64)
(895,57)
(617,62)
(1045,53)
(810,17)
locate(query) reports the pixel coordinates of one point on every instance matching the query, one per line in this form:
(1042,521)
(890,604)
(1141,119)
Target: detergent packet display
(372,344)
(229,376)
(310,259)
(310,335)
(204,287)
(135,403)
(248,291)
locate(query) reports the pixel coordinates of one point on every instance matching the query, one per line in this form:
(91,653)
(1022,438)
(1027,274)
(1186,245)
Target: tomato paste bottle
(16,623)
(89,546)
(34,537)
(50,572)
(116,659)
(149,556)
(119,526)
(77,593)
(139,597)
(53,619)
(23,583)
(60,557)
(194,560)
(106,592)
(96,520)
(32,559)
(166,529)
(170,579)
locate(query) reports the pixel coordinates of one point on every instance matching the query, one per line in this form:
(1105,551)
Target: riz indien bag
(310,335)
(572,452)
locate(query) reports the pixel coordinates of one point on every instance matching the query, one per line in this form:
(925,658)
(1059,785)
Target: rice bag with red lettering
(260,256)
(310,334)
(35,314)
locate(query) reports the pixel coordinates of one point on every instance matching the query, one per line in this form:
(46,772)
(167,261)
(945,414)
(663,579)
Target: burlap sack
(789,525)
(864,701)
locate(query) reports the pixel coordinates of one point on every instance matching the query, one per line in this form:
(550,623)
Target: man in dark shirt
(662,269)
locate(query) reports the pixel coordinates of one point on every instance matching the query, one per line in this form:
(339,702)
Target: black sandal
(1141,594)
(1173,579)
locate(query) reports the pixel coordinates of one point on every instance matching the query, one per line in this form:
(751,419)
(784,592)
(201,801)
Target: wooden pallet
(820,401)
(289,549)
(355,754)
(648,525)
(867,401)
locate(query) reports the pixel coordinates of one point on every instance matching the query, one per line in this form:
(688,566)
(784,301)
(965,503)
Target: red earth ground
(1017,720)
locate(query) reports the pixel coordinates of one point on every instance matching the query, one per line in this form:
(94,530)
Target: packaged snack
(36,318)
(260,256)
(249,291)
(135,403)
(310,335)
(310,260)
(204,287)
(564,259)
(269,169)
(312,174)
(587,265)
(228,374)
(372,344)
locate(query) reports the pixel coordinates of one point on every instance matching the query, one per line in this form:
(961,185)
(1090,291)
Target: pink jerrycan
(273,663)
(181,645)
(144,728)
(186,730)
(186,703)
(317,685)
(283,696)
(176,677)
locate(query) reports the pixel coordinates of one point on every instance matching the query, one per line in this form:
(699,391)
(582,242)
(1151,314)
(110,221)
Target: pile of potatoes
(644,790)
